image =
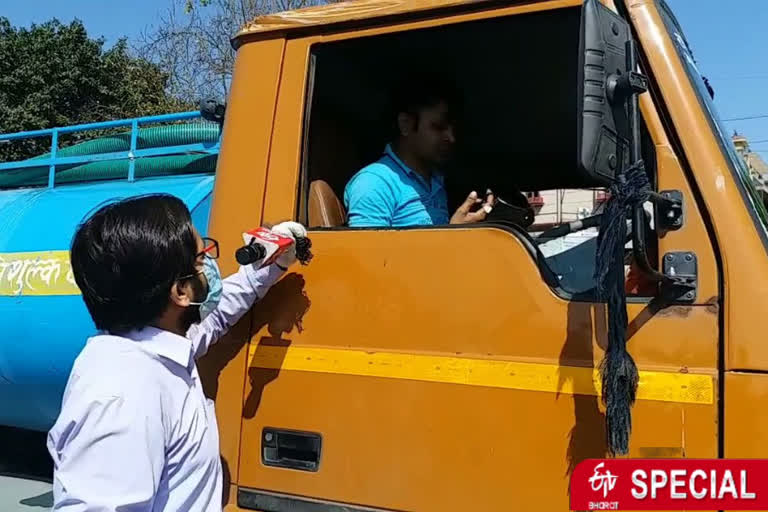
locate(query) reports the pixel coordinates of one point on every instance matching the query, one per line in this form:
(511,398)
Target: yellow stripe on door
(552,378)
(36,273)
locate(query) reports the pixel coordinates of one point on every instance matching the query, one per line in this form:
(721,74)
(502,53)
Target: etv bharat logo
(603,481)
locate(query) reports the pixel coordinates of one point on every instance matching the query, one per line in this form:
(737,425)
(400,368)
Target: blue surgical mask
(212,274)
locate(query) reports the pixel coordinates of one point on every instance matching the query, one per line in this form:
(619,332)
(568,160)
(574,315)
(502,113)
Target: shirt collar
(391,154)
(164,344)
(436,176)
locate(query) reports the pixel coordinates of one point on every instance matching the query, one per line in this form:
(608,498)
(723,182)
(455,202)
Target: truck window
(516,129)
(749,192)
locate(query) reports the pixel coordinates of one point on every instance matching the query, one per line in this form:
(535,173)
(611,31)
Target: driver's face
(434,136)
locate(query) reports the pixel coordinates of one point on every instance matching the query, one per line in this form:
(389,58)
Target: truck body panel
(442,359)
(416,391)
(740,241)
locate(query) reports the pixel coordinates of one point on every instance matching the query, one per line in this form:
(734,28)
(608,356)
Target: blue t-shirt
(390,194)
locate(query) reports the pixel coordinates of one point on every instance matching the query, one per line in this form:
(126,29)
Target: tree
(55,75)
(192,42)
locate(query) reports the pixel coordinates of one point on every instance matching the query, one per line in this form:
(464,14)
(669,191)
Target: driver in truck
(406,187)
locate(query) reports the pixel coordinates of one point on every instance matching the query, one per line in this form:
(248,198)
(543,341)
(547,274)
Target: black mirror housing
(212,110)
(603,126)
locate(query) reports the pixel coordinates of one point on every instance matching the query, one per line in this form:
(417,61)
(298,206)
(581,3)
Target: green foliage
(55,75)
(189,5)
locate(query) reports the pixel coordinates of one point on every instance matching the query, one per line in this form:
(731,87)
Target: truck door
(450,368)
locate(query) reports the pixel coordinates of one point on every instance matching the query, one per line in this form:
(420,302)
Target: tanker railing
(132,154)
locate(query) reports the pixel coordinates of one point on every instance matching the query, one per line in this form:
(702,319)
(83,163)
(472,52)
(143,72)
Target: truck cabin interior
(517,129)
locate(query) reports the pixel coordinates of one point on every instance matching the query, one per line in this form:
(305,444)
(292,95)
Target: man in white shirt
(135,432)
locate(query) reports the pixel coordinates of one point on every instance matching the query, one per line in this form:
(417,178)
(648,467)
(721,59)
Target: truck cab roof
(314,19)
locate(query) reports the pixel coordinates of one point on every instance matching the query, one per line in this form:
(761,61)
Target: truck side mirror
(212,110)
(603,126)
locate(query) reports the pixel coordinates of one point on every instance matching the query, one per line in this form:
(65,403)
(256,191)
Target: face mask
(212,274)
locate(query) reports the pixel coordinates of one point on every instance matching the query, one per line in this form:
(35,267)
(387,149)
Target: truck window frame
(302,209)
(547,274)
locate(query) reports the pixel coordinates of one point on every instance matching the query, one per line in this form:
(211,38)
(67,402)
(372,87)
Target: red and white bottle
(262,247)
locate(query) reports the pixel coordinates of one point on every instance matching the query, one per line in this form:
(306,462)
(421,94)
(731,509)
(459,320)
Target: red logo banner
(670,484)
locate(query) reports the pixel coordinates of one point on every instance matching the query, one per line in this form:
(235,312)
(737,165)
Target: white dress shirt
(135,432)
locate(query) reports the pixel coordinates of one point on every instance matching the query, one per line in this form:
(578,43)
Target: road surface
(25,471)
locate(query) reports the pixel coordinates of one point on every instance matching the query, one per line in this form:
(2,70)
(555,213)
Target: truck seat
(325,209)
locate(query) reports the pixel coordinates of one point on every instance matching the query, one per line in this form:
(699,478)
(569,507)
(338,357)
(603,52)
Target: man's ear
(181,293)
(405,124)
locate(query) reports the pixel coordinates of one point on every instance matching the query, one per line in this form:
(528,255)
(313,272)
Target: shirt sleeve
(369,201)
(108,456)
(240,291)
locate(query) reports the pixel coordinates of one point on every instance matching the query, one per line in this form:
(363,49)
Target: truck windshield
(749,192)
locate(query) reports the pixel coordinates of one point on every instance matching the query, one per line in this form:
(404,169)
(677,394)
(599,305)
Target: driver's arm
(370,201)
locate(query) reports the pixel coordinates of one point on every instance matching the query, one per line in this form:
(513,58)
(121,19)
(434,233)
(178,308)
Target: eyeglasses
(210,249)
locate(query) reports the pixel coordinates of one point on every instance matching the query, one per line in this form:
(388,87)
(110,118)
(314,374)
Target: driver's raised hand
(469,212)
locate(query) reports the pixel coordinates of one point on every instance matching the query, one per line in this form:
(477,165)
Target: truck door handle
(290,449)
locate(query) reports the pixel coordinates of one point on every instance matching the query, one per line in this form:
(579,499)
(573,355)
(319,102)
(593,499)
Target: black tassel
(303,250)
(618,370)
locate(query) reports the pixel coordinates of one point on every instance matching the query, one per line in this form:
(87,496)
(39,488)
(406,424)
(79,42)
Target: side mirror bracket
(621,87)
(625,89)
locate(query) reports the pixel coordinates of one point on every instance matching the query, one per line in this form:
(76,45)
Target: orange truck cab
(457,368)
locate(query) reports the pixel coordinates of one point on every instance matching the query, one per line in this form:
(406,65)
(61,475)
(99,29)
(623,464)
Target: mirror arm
(572,227)
(672,285)
(664,201)
(627,88)
(669,209)
(640,249)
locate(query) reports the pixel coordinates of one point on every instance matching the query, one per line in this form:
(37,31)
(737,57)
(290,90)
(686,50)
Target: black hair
(419,90)
(126,257)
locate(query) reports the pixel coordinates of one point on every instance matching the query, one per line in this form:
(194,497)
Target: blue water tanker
(42,199)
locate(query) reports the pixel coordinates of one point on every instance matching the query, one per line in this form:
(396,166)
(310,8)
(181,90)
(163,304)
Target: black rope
(618,369)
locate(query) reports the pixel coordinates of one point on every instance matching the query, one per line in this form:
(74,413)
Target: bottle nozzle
(250,253)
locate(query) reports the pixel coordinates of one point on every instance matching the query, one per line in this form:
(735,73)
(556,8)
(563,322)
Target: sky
(112,19)
(729,39)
